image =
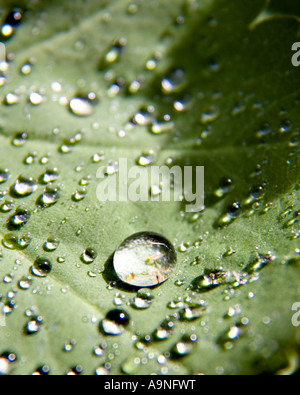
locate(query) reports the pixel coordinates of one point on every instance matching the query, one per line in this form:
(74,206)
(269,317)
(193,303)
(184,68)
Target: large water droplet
(115,322)
(145,259)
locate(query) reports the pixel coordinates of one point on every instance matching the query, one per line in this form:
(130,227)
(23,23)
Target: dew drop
(19,139)
(6,360)
(226,185)
(142,300)
(49,196)
(115,322)
(41,267)
(20,218)
(7,206)
(11,22)
(51,244)
(81,106)
(174,82)
(89,255)
(79,194)
(24,186)
(25,283)
(145,259)
(184,346)
(4,175)
(146,159)
(50,175)
(33,325)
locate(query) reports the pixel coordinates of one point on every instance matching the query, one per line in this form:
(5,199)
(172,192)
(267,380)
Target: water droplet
(25,283)
(209,280)
(226,185)
(36,98)
(146,159)
(162,332)
(88,255)
(50,175)
(143,117)
(11,22)
(41,267)
(260,262)
(174,82)
(233,211)
(20,218)
(184,346)
(115,322)
(24,186)
(4,175)
(43,370)
(114,53)
(75,371)
(49,196)
(142,300)
(7,206)
(6,360)
(79,195)
(51,244)
(145,259)
(81,106)
(33,325)
(11,98)
(19,139)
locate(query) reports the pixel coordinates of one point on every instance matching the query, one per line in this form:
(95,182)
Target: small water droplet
(4,175)
(115,322)
(49,196)
(88,255)
(142,300)
(36,98)
(81,106)
(33,325)
(50,175)
(6,360)
(226,185)
(145,259)
(174,82)
(11,22)
(209,280)
(7,206)
(41,267)
(11,98)
(25,283)
(146,159)
(79,194)
(184,346)
(19,139)
(51,244)
(114,53)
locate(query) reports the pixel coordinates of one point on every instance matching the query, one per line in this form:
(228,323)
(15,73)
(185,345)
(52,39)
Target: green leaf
(236,113)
